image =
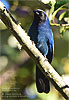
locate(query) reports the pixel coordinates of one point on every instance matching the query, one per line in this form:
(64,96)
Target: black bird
(40,32)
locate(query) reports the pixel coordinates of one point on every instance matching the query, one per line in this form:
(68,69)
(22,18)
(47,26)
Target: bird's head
(39,15)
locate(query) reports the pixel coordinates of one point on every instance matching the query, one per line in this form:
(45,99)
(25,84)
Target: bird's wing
(33,33)
(43,46)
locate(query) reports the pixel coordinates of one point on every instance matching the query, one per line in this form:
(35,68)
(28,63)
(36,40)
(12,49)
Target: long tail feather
(42,82)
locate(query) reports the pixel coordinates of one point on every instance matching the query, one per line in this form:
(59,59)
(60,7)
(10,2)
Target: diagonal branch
(30,48)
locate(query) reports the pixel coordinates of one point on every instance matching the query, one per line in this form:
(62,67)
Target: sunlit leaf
(47,1)
(62,15)
(66,19)
(60,8)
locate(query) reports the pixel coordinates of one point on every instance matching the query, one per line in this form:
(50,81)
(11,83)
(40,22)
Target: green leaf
(60,8)
(62,15)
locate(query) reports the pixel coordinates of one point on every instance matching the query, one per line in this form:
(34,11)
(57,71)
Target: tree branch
(30,48)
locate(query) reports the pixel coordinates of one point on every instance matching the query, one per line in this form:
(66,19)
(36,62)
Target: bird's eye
(40,13)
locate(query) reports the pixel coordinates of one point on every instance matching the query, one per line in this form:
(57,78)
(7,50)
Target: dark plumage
(40,32)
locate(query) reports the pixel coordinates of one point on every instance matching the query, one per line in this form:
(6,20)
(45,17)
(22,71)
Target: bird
(40,32)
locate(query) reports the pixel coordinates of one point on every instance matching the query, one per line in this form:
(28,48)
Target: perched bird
(40,32)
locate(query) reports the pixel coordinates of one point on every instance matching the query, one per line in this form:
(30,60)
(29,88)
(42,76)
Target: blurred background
(17,69)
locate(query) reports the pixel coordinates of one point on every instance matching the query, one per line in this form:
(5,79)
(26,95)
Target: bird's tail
(42,82)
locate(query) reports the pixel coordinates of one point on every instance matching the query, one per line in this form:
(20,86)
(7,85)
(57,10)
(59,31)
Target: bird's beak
(36,12)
